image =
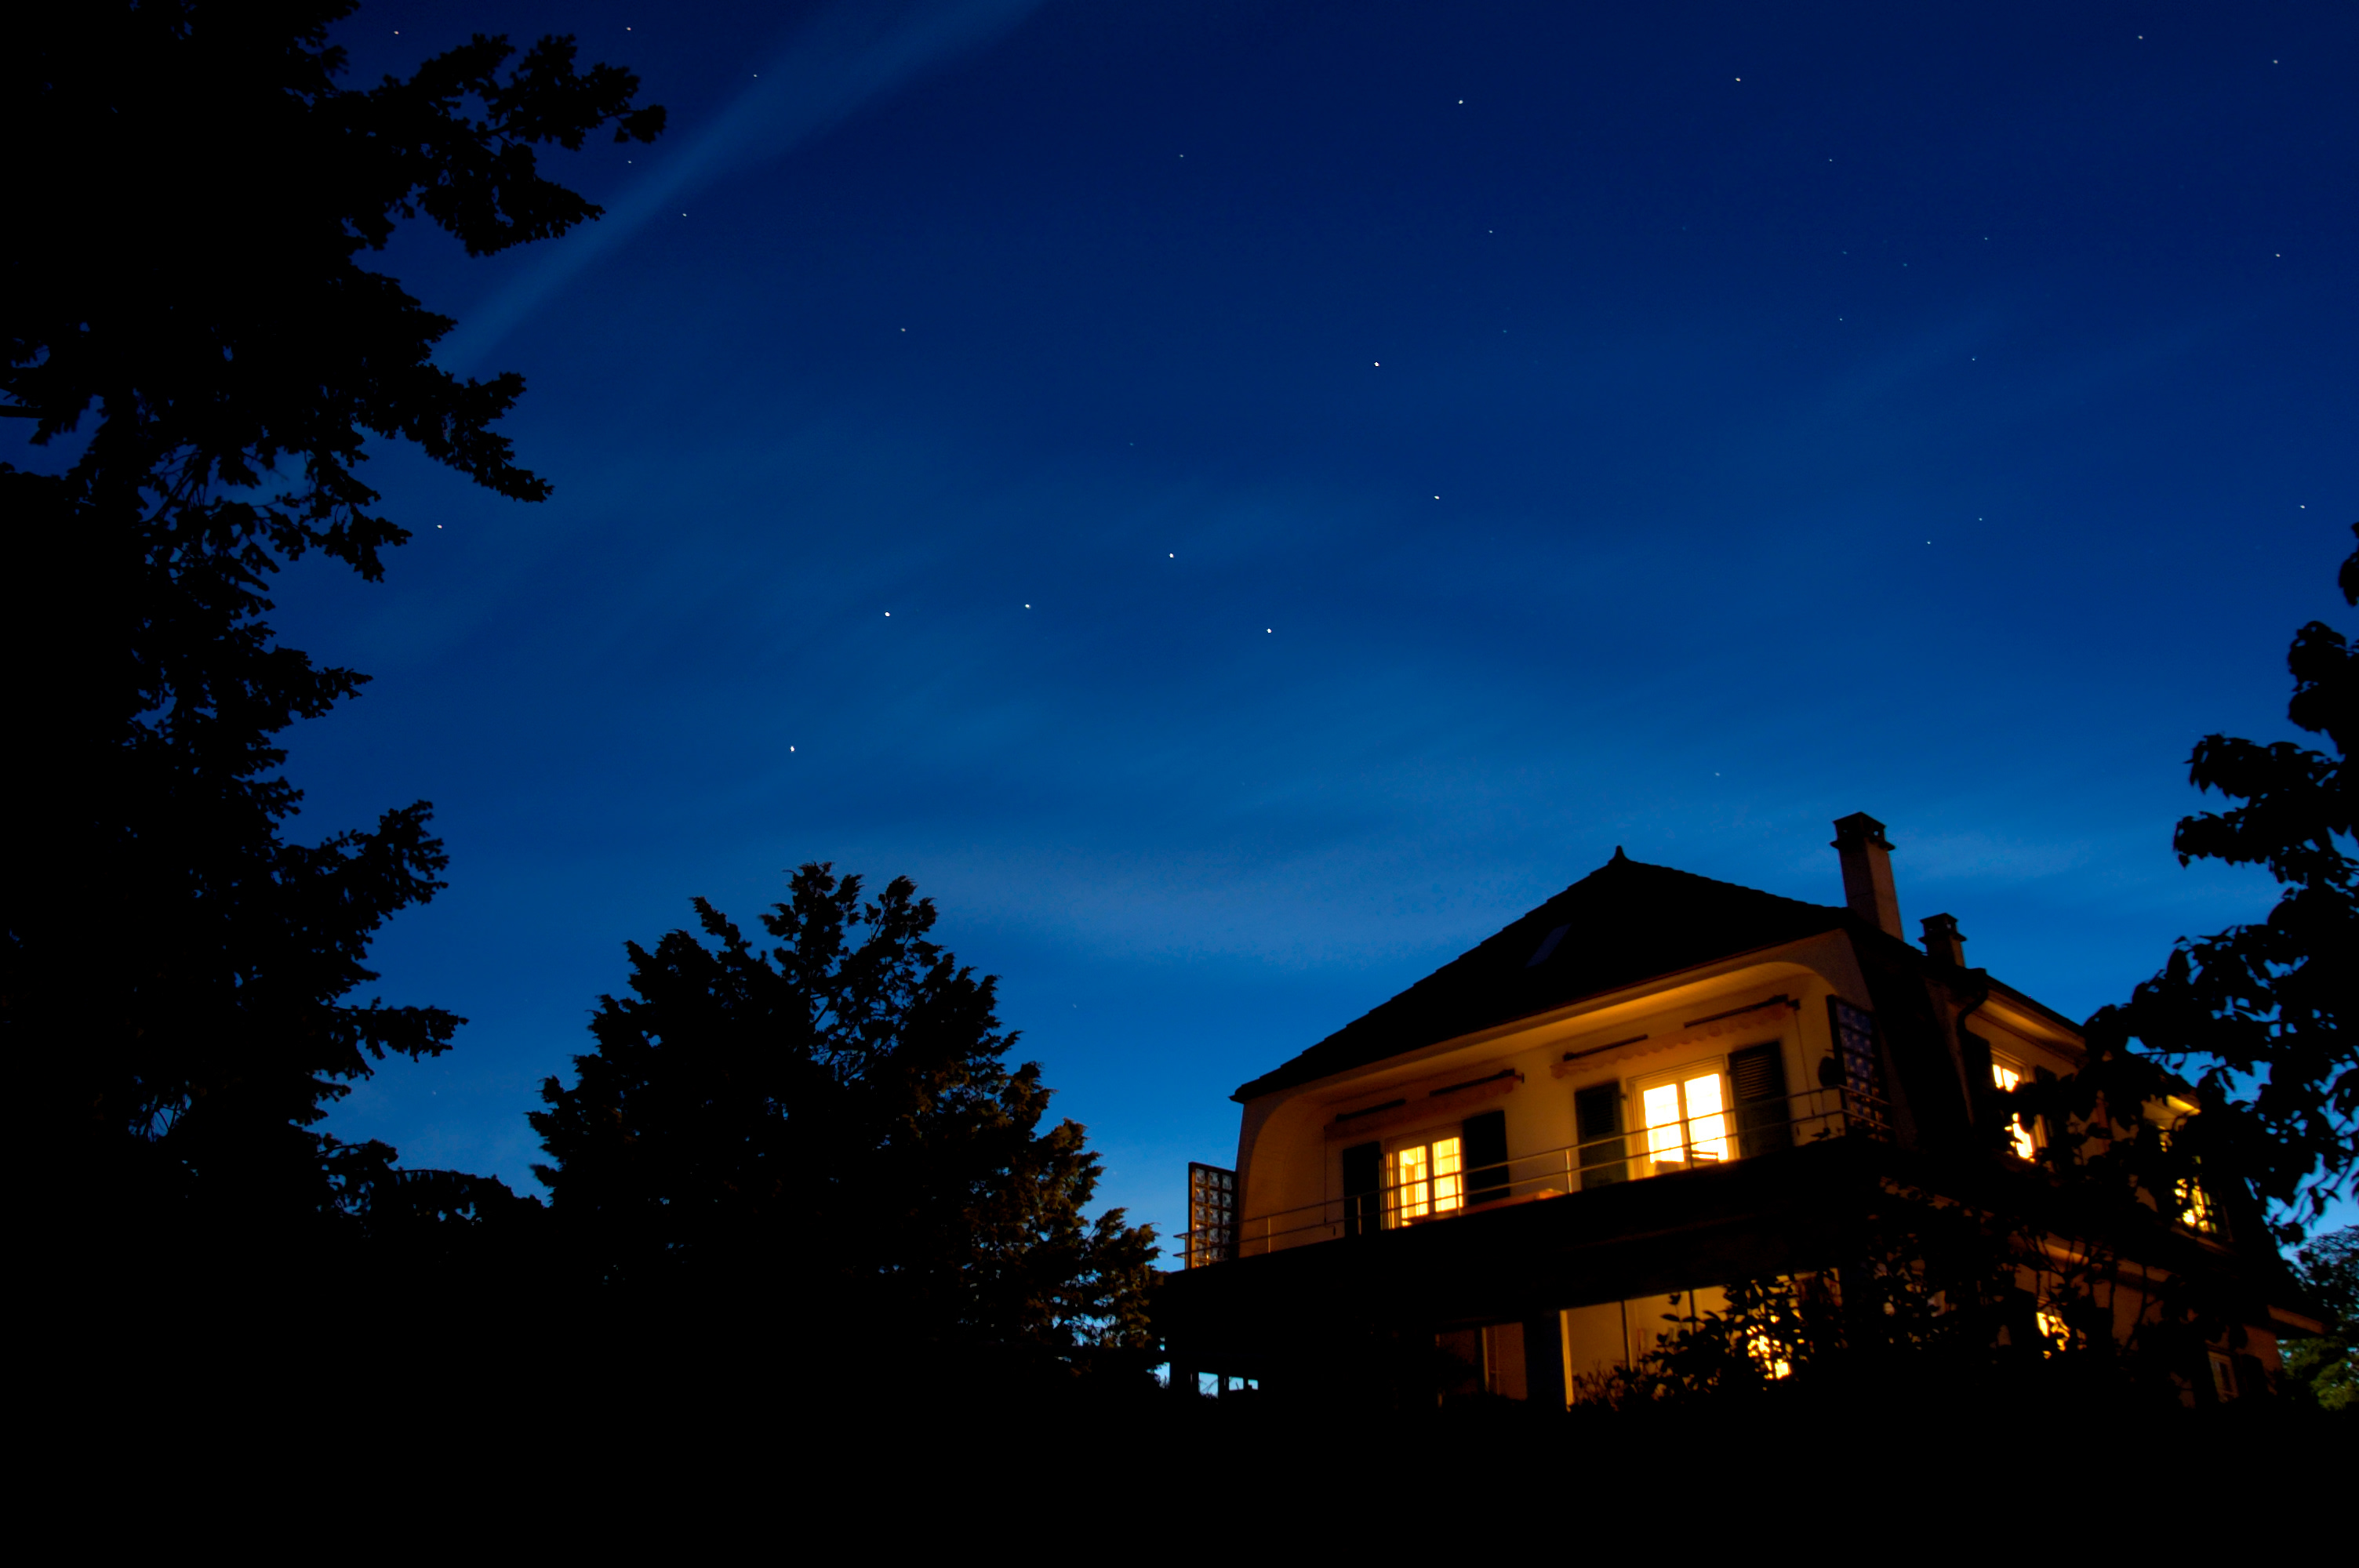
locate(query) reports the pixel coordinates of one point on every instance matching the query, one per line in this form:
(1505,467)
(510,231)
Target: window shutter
(1756,1075)
(1597,1119)
(1486,1156)
(1362,1179)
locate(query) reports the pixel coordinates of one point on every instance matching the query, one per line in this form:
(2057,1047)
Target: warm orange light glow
(1411,1173)
(1707,1128)
(1449,1184)
(2052,1330)
(2195,1210)
(1666,1139)
(1685,1120)
(1429,1179)
(2007,1077)
(1769,1355)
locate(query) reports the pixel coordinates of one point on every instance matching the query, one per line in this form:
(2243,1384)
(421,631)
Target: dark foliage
(826,1134)
(2324,1371)
(1969,1304)
(188,320)
(2259,1018)
(203,188)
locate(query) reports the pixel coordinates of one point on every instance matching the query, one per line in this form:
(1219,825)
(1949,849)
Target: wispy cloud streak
(828,67)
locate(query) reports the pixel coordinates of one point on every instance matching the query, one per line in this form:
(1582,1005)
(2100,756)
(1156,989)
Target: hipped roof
(1624,923)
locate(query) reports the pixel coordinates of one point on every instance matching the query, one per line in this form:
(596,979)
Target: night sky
(1240,501)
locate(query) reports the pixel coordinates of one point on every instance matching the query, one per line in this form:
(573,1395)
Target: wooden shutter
(1597,1121)
(1757,1077)
(1363,1167)
(1486,1156)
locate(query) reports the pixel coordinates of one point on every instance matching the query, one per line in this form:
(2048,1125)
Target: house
(1527,1167)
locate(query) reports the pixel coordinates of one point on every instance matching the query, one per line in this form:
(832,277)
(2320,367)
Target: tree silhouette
(2325,1371)
(2261,1017)
(191,327)
(827,1134)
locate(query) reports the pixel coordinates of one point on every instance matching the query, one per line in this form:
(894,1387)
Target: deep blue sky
(1336,470)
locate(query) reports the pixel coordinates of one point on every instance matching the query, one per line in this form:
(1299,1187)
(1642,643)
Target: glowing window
(2195,1208)
(1429,1178)
(2006,1077)
(1686,1118)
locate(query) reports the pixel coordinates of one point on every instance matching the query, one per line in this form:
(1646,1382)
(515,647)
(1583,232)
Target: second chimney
(1944,940)
(1868,871)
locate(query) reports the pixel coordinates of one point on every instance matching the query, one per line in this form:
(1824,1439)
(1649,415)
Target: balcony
(1437,1185)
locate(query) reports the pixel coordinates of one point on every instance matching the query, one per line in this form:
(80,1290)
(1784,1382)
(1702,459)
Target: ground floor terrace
(1533,1300)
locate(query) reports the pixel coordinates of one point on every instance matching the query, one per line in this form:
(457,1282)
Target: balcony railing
(1764,1127)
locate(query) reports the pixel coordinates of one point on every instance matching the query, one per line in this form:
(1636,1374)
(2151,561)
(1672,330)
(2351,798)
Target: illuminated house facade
(1652,1084)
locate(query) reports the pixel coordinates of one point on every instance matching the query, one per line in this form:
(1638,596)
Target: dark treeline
(761,1145)
(803,1160)
(194,334)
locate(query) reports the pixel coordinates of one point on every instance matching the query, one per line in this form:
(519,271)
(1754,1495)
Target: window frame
(2024,1139)
(1431,1203)
(1679,1078)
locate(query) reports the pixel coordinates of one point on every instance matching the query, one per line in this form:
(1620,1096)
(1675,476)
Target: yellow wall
(1290,1168)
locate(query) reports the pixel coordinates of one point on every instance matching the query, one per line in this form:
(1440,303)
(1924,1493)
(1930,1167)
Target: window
(1429,1178)
(1685,1117)
(2195,1208)
(2006,1075)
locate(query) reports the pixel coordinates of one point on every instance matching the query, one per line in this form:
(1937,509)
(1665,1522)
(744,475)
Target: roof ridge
(1667,919)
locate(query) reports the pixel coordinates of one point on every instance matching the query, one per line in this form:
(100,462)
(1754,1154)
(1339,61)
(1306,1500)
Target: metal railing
(1640,1153)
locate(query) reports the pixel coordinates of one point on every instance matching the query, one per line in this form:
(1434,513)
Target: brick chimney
(1868,871)
(1942,940)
